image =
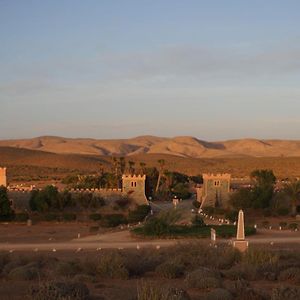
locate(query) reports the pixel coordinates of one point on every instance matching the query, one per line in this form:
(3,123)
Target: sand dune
(184,146)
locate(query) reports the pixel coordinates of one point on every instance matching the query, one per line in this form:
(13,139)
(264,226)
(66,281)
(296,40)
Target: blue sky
(114,69)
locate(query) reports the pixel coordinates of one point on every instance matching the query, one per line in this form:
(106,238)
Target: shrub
(198,221)
(60,291)
(170,270)
(242,271)
(259,257)
(95,217)
(112,220)
(21,217)
(203,278)
(265,224)
(111,265)
(236,287)
(145,260)
(218,294)
(286,293)
(67,268)
(291,274)
(69,217)
(156,227)
(24,273)
(152,291)
(282,211)
(293,226)
(139,214)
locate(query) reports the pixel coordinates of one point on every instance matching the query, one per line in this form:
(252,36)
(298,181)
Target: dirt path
(123,239)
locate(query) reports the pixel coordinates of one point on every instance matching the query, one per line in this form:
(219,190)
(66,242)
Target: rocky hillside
(185,146)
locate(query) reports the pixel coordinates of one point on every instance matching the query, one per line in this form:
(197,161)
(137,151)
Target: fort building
(215,190)
(3,180)
(134,186)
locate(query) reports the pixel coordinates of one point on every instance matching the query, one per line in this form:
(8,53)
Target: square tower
(3,180)
(216,189)
(134,186)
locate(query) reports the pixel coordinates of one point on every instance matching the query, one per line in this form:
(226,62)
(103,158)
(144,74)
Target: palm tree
(292,190)
(122,164)
(160,173)
(143,167)
(131,167)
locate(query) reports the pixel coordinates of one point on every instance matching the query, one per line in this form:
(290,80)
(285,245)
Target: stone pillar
(240,233)
(240,243)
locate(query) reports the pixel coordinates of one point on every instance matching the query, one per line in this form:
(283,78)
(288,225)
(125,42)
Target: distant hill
(185,146)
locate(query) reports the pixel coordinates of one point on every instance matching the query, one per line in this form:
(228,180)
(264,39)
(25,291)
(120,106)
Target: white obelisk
(240,243)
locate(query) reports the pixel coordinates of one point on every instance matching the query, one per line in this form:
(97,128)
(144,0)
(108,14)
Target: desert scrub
(151,291)
(170,270)
(146,260)
(66,290)
(197,254)
(242,271)
(218,294)
(259,257)
(286,293)
(203,278)
(27,272)
(290,274)
(111,265)
(67,268)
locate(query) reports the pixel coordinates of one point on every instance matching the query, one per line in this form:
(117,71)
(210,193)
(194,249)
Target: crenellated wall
(133,186)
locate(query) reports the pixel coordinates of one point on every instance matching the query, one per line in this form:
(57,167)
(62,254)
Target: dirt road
(123,239)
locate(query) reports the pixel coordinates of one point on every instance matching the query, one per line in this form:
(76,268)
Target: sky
(216,70)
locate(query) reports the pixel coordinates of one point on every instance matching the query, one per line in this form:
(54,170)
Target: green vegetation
(6,212)
(164,225)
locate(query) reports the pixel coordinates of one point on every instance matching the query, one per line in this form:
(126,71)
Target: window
(217,183)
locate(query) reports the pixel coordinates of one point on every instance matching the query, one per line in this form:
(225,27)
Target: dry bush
(290,274)
(218,294)
(146,260)
(260,257)
(111,265)
(67,290)
(197,254)
(236,287)
(170,270)
(286,293)
(27,272)
(151,291)
(241,271)
(203,278)
(67,268)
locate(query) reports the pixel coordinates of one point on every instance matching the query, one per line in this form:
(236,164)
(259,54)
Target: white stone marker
(240,243)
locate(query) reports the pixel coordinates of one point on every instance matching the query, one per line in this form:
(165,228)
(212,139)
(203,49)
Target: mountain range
(183,146)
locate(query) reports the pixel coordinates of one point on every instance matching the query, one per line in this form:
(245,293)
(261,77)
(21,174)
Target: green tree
(5,207)
(241,199)
(292,190)
(264,188)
